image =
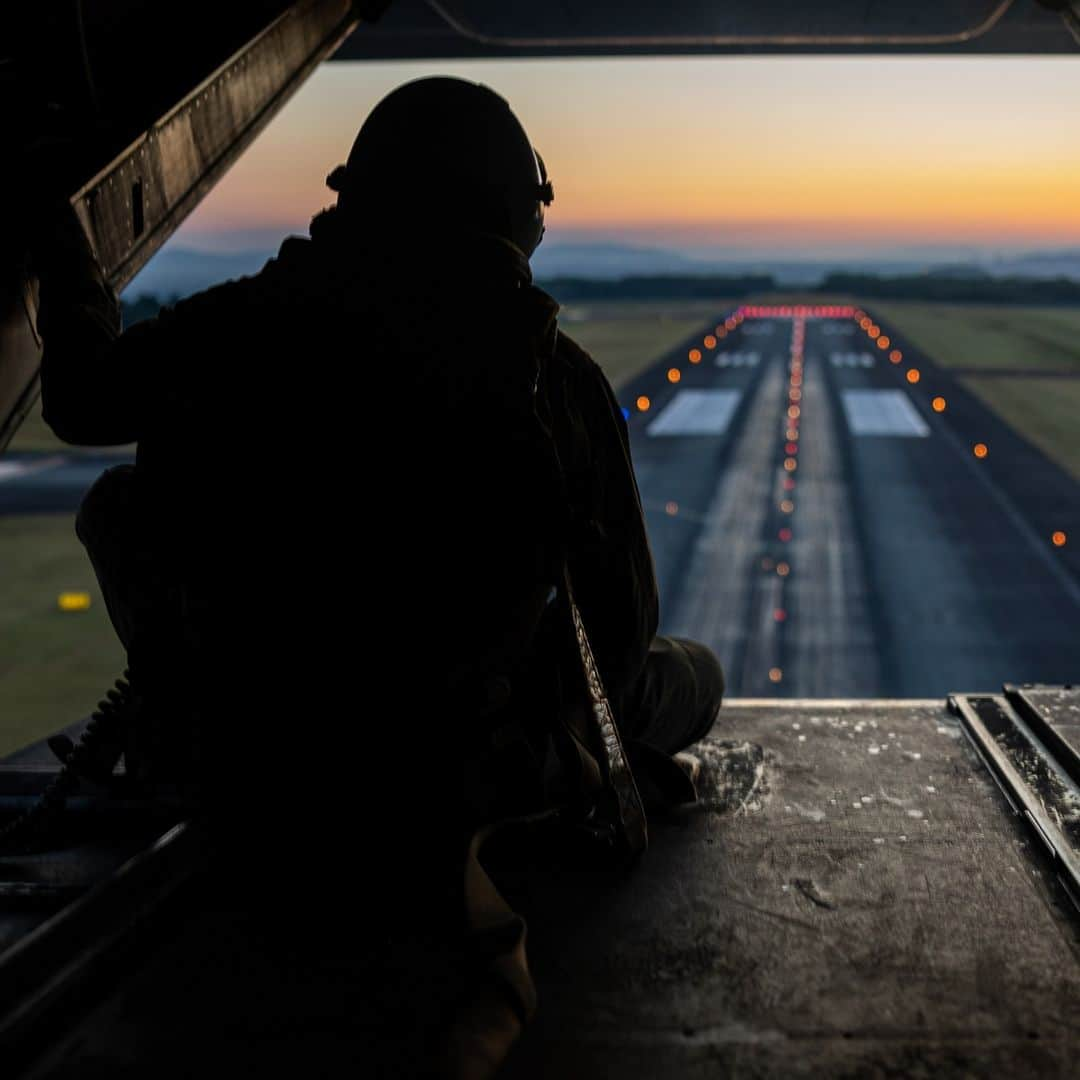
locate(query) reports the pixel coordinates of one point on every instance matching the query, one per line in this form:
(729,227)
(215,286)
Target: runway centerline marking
(696,412)
(883,412)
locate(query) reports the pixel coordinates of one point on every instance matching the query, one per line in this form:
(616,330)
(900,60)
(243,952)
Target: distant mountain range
(178,272)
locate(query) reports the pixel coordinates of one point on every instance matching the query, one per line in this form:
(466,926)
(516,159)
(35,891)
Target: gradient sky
(772,155)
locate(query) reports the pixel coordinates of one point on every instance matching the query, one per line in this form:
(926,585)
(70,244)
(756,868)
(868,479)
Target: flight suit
(362,425)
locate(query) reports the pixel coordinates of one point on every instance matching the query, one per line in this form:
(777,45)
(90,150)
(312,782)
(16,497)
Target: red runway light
(779,614)
(784,534)
(791,448)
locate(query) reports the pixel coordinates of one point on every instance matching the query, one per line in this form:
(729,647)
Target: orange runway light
(896,356)
(980,450)
(775,675)
(672,508)
(710,341)
(1058,539)
(866,322)
(792,433)
(787,506)
(695,358)
(674,375)
(790,464)
(643,403)
(795,394)
(731,323)
(783,569)
(913,376)
(793,412)
(883,342)
(938,404)
(873,332)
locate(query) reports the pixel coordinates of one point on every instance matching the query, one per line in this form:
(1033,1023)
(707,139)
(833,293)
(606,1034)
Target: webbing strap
(631,824)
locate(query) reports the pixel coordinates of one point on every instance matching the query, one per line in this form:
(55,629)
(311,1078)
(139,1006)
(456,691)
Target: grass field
(624,337)
(977,335)
(1048,339)
(1044,410)
(53,666)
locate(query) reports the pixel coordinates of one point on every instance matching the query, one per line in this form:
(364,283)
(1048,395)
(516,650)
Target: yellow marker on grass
(73,601)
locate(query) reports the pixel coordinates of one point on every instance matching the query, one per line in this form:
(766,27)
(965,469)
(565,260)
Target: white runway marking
(839,329)
(850,359)
(883,412)
(759,329)
(737,359)
(696,412)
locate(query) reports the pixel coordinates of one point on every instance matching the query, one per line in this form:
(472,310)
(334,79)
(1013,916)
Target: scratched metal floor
(852,901)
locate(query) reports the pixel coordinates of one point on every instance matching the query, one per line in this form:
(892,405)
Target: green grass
(1045,411)
(54,667)
(977,335)
(624,337)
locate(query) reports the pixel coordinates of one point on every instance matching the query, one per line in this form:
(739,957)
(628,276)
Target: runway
(840,535)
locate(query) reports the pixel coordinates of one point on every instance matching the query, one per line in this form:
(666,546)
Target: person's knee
(105,507)
(708,682)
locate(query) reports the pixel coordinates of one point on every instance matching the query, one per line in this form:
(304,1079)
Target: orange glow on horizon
(849,121)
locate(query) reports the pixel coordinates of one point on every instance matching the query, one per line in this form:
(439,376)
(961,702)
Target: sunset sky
(772,155)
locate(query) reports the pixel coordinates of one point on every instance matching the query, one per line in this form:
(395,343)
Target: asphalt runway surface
(830,533)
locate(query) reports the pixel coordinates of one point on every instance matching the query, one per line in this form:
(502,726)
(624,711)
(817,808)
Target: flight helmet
(442,154)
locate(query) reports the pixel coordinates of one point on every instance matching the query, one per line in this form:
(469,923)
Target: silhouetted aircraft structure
(870,887)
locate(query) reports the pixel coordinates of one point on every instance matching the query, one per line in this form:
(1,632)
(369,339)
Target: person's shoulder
(571,354)
(230,296)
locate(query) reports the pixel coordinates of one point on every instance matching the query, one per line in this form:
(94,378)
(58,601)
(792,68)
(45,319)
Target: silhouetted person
(338,560)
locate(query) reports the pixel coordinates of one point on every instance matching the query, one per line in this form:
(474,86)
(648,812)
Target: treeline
(659,287)
(988,290)
(956,289)
(931,287)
